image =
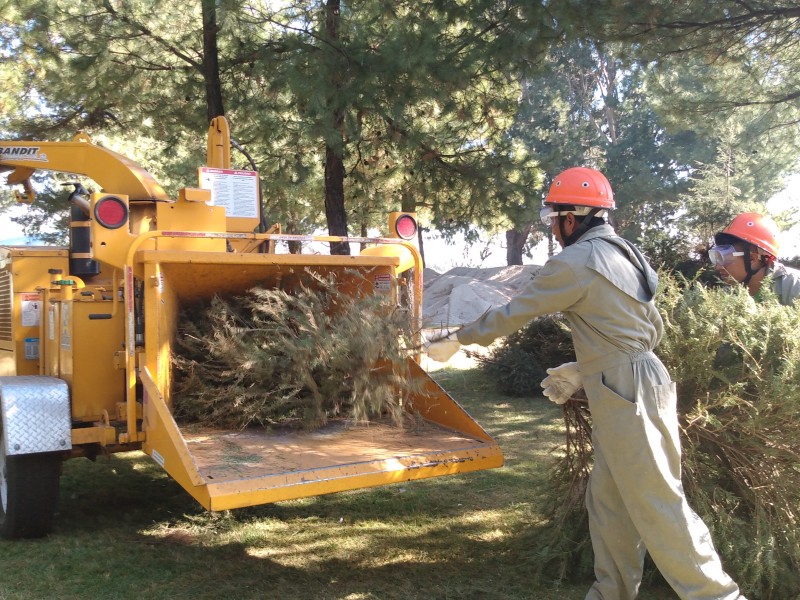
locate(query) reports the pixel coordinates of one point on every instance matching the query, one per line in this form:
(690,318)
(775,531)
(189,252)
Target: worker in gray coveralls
(746,252)
(605,288)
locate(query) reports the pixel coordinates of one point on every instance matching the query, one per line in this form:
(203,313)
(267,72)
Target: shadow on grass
(384,543)
(125,527)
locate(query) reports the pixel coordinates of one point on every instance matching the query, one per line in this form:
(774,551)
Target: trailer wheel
(28,492)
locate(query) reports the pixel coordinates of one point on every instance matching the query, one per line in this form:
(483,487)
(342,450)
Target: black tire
(28,493)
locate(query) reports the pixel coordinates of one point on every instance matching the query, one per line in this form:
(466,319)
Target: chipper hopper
(88,332)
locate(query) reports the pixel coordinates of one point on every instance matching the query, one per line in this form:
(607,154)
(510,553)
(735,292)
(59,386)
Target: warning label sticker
(383,283)
(236,190)
(31,309)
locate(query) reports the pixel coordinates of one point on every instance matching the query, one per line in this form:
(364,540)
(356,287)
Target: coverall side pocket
(666,401)
(666,397)
(618,426)
(618,387)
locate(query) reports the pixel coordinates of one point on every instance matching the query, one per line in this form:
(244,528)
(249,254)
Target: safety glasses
(722,256)
(547,214)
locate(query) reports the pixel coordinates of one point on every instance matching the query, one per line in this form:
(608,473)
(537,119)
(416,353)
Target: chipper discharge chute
(88,334)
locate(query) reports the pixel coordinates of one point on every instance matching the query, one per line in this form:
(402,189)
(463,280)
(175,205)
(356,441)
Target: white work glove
(442,345)
(562,382)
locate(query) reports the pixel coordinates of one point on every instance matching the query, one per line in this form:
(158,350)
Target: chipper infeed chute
(225,469)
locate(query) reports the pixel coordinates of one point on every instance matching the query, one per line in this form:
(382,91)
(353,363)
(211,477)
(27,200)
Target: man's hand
(442,345)
(562,382)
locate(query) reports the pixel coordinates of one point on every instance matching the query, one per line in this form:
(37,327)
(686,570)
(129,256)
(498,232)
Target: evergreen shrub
(520,361)
(737,365)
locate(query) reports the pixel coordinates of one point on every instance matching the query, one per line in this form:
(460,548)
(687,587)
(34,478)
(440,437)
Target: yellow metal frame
(193,235)
(218,155)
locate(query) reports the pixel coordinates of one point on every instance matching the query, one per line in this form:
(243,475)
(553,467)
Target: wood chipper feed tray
(233,468)
(223,456)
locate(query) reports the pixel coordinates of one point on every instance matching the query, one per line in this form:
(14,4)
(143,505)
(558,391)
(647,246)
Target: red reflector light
(111,212)
(406,226)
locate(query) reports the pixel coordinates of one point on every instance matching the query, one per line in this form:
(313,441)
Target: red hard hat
(755,229)
(581,186)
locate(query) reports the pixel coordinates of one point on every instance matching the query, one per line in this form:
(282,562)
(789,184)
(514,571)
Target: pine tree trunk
(515,244)
(334,200)
(211,76)
(420,245)
(334,163)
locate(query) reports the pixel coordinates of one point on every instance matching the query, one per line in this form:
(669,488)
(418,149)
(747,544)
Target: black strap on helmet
(582,228)
(748,266)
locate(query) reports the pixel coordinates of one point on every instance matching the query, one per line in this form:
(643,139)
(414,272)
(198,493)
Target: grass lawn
(125,529)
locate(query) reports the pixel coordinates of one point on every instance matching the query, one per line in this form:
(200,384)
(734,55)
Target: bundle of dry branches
(270,357)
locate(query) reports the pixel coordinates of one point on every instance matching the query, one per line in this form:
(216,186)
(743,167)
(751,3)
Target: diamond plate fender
(36,414)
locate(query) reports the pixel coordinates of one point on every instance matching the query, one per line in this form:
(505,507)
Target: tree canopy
(462,111)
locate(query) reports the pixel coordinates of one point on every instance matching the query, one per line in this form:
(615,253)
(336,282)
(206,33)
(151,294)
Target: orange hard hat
(581,186)
(755,229)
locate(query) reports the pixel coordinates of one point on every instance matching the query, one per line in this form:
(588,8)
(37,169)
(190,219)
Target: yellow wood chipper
(87,333)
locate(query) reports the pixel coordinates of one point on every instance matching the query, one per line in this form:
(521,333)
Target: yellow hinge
(101,434)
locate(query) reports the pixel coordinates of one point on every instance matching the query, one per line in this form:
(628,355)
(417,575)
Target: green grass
(125,529)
